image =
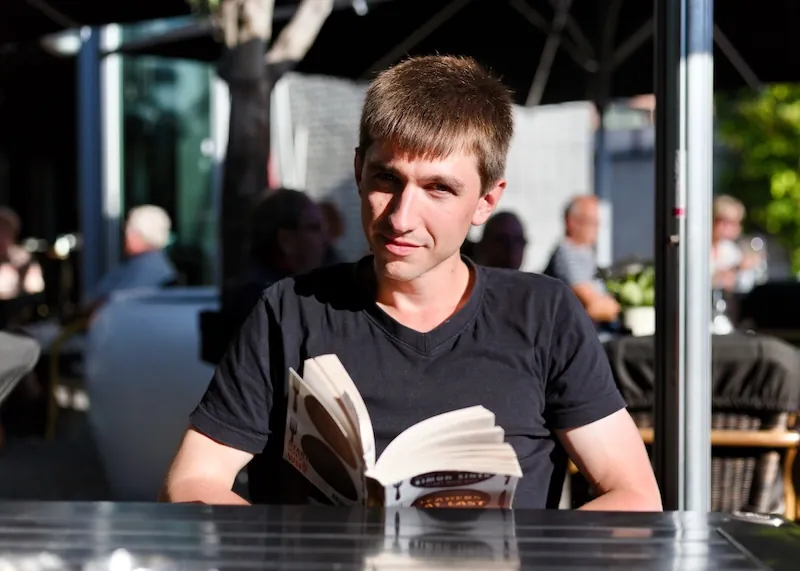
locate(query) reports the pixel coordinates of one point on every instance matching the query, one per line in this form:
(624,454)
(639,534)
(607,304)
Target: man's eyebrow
(450,182)
(380,166)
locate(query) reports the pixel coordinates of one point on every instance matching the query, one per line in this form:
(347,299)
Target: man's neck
(426,302)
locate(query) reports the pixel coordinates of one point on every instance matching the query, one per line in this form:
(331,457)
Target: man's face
(584,222)
(416,212)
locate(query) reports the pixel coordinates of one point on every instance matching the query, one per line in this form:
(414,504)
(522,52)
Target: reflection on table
(129,536)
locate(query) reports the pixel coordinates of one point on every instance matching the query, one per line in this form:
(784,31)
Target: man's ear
(488,203)
(358,165)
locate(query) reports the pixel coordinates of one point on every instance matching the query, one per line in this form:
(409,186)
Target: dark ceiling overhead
(753,42)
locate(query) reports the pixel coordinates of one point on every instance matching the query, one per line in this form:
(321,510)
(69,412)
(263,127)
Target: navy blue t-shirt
(522,346)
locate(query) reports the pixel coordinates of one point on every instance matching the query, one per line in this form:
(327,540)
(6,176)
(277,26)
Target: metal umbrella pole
(684,164)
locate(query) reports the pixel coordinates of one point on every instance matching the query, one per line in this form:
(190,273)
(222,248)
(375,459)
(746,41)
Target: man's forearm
(200,492)
(624,501)
(603,310)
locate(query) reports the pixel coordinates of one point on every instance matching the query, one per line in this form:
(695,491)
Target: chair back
(755,388)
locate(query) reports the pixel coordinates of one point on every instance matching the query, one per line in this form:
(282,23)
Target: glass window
(167,151)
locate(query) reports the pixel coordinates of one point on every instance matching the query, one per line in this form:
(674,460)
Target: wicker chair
(756,392)
(751,463)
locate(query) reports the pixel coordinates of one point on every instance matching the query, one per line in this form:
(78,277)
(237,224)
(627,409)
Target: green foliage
(634,287)
(762,130)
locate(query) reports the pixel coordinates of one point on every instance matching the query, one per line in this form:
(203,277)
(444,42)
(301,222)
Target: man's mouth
(399,246)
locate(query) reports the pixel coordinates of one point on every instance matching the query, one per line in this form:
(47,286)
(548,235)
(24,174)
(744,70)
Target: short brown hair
(432,106)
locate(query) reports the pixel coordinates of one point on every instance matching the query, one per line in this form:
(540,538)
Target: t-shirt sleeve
(236,406)
(580,386)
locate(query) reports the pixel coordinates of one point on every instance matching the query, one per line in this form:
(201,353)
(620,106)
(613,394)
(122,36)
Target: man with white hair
(147,232)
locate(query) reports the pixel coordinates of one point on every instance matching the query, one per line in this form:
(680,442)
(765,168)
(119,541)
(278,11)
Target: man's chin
(396,270)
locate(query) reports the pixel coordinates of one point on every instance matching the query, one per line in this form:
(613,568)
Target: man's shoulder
(517,288)
(332,285)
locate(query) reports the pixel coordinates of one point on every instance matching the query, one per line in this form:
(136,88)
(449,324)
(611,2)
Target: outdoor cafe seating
(755,400)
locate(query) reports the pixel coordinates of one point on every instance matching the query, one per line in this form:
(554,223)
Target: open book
(455,459)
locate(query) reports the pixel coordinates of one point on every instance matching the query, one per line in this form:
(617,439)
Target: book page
(453,422)
(431,539)
(329,395)
(441,443)
(453,489)
(316,444)
(339,376)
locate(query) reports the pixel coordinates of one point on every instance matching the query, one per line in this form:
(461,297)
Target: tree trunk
(247,28)
(250,72)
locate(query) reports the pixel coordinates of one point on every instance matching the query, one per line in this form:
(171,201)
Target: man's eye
(385,177)
(441,189)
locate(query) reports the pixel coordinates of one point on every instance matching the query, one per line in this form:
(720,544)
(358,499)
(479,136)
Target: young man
(420,329)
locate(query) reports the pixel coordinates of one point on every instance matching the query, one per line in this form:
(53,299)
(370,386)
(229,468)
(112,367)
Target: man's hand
(611,455)
(204,471)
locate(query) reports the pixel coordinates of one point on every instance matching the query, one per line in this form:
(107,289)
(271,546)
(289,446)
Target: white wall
(549,162)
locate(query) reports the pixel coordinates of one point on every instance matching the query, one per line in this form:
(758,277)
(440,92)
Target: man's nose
(402,214)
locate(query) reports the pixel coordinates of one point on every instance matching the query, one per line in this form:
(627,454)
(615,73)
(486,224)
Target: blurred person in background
(732,269)
(147,234)
(20,274)
(288,237)
(334,223)
(574,260)
(503,242)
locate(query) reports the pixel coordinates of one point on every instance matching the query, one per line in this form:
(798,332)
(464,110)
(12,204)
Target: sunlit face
(416,212)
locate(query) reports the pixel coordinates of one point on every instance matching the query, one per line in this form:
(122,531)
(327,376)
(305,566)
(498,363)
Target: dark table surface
(127,537)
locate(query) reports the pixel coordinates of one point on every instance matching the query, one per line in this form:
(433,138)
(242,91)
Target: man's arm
(572,267)
(587,413)
(231,423)
(600,306)
(611,455)
(204,471)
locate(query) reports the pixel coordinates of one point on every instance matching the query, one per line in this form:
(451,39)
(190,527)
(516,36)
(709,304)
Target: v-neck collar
(421,342)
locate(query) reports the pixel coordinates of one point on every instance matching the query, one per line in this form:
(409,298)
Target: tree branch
(299,34)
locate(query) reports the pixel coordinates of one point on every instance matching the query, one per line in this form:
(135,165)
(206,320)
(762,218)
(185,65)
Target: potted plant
(634,288)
